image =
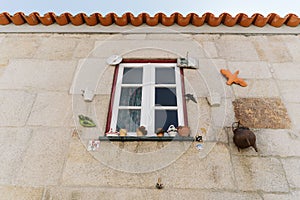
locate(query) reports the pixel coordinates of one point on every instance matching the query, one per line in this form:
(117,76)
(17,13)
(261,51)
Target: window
(146,94)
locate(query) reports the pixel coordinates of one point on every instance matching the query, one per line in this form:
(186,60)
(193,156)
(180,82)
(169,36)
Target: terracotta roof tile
(241,19)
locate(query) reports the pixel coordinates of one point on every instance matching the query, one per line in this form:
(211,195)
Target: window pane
(165,118)
(129,119)
(165,75)
(165,96)
(131,96)
(132,75)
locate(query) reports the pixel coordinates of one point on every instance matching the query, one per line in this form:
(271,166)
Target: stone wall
(41,77)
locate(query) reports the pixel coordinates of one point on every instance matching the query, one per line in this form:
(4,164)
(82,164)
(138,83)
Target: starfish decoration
(232,78)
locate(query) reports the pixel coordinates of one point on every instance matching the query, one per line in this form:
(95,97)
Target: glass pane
(165,97)
(132,75)
(165,118)
(131,96)
(165,75)
(129,119)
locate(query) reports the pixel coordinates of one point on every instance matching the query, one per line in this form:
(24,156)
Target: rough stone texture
(287,71)
(294,195)
(89,73)
(104,49)
(38,75)
(293,110)
(15,107)
(292,170)
(271,49)
(43,160)
(260,113)
(13,143)
(65,193)
(82,169)
(190,78)
(236,48)
(256,88)
(292,43)
(223,115)
(253,173)
(19,46)
(51,109)
(209,70)
(250,70)
(199,115)
(18,192)
(290,90)
(84,48)
(56,48)
(282,143)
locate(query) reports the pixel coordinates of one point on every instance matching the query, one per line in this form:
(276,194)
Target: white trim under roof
(190,29)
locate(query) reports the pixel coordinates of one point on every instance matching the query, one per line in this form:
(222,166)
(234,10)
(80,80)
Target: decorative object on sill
(93,145)
(183,131)
(172,131)
(141,131)
(232,78)
(159,184)
(243,137)
(88,95)
(112,133)
(114,60)
(86,121)
(187,62)
(160,132)
(214,99)
(190,97)
(199,146)
(123,132)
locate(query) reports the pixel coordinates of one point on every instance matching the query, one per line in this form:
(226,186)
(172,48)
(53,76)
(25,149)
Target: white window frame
(148,98)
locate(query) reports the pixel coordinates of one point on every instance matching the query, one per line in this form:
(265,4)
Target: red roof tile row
(241,19)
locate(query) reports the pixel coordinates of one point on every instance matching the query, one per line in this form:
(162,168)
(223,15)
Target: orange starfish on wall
(232,78)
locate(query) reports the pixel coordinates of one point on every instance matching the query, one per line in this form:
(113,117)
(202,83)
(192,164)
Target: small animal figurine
(141,131)
(160,132)
(86,121)
(172,131)
(232,78)
(243,137)
(123,132)
(183,131)
(159,184)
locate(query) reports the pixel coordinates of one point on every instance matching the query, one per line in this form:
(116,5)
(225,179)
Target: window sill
(144,139)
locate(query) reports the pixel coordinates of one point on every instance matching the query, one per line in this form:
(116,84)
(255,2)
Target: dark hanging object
(243,137)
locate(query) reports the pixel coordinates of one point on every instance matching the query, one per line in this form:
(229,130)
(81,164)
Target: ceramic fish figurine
(86,121)
(243,137)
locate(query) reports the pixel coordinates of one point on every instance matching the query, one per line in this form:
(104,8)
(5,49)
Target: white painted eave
(190,29)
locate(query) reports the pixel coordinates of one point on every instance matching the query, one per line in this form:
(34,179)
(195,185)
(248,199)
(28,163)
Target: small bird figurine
(190,97)
(86,121)
(159,184)
(232,78)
